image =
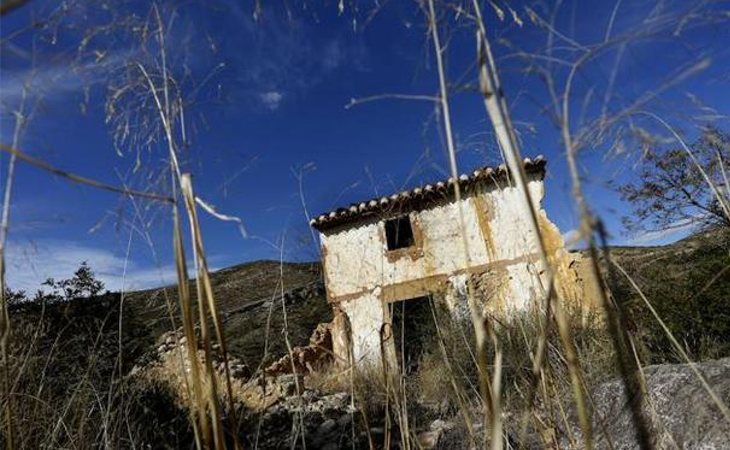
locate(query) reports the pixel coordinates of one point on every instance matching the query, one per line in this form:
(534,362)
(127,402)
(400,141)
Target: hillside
(670,255)
(75,352)
(688,283)
(248,296)
(249,301)
(86,331)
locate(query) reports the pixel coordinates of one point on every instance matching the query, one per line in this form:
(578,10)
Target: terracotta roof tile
(411,198)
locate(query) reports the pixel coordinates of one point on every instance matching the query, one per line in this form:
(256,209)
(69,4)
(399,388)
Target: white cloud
(286,54)
(30,263)
(272,99)
(51,81)
(674,231)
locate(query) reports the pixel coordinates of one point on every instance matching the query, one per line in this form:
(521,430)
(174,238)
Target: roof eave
(411,199)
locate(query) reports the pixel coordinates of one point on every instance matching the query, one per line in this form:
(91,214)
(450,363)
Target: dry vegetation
(55,338)
(68,378)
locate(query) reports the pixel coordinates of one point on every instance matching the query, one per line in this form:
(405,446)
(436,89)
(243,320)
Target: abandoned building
(408,247)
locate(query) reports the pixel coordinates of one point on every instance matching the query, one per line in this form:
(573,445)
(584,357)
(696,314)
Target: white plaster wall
(353,260)
(366,315)
(356,258)
(357,266)
(509,229)
(443,247)
(524,287)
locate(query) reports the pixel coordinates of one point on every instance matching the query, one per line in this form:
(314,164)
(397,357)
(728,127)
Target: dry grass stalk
(195,394)
(629,371)
(458,391)
(386,334)
(15,152)
(629,367)
(169,106)
(206,302)
(498,112)
(20,123)
(492,417)
(287,342)
(395,395)
(597,131)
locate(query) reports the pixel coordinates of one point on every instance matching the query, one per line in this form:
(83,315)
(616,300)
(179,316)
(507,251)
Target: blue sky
(273,107)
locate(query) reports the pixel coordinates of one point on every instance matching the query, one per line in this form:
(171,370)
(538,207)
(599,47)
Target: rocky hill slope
(249,301)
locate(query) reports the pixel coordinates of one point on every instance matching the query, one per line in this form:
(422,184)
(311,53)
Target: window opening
(399,233)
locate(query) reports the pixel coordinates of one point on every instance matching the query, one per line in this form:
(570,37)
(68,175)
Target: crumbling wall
(366,316)
(341,339)
(306,359)
(501,260)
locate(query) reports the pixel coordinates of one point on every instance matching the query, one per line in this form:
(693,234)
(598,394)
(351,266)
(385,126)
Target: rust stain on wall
(551,237)
(416,288)
(568,281)
(484,216)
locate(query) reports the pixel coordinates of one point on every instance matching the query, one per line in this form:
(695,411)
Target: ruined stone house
(409,246)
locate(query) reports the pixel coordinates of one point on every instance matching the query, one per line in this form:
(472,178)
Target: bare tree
(671,190)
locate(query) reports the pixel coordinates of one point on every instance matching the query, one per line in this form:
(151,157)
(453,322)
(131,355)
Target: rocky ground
(284,410)
(278,408)
(680,410)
